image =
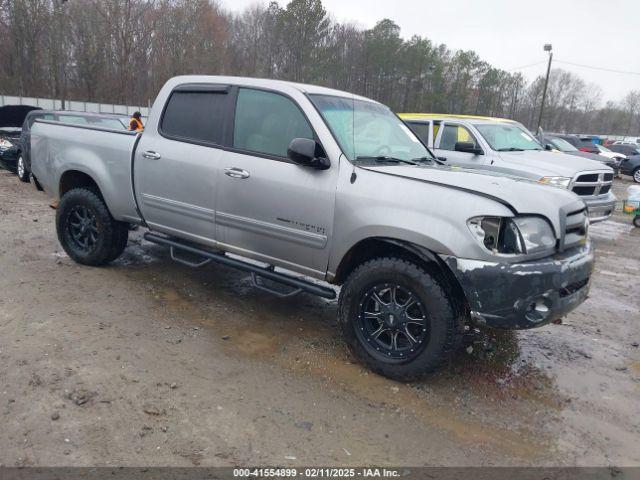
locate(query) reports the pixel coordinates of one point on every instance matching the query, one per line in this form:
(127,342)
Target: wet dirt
(147,362)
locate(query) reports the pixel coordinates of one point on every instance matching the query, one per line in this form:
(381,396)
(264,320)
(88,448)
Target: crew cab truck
(304,187)
(506,146)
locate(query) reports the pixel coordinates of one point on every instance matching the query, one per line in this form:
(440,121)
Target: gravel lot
(149,363)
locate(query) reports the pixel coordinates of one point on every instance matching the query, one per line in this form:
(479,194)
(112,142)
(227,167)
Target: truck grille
(592,184)
(576,226)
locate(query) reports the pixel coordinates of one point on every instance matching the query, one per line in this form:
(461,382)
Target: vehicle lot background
(149,363)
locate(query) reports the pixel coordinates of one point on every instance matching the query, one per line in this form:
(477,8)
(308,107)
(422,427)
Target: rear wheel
(86,229)
(21,170)
(636,221)
(636,175)
(397,319)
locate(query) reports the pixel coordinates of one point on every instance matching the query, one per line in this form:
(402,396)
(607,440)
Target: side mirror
(468,147)
(308,153)
(548,147)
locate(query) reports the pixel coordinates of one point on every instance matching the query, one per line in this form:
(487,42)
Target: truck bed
(102,153)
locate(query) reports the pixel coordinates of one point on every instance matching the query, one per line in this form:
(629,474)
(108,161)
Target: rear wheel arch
(76,179)
(379,247)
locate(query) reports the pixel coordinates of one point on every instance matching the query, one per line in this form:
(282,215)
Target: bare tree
(124,50)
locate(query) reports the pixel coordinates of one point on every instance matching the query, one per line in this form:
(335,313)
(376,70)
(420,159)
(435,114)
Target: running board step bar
(297,284)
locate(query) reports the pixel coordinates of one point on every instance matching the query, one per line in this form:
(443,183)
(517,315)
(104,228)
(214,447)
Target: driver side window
(266,122)
(452,134)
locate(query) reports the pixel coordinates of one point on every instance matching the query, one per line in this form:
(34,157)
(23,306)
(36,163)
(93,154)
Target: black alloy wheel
(392,322)
(83,228)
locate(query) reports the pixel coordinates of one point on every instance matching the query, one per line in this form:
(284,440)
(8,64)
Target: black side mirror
(308,153)
(548,147)
(468,147)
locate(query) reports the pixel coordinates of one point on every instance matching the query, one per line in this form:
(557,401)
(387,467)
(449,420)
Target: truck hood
(521,195)
(12,116)
(550,164)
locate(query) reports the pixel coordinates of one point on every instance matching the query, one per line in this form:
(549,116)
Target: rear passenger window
(266,122)
(195,116)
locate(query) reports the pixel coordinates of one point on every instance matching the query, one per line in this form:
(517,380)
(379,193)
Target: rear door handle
(151,155)
(234,172)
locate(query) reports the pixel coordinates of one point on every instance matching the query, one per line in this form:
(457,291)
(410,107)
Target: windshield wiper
(384,158)
(425,159)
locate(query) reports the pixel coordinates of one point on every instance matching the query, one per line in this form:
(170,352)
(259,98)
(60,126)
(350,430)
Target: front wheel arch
(376,247)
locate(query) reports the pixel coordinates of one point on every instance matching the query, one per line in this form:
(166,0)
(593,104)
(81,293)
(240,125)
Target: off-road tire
(445,329)
(121,238)
(109,239)
(21,170)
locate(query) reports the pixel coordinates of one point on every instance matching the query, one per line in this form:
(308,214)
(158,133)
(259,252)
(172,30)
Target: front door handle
(234,172)
(151,155)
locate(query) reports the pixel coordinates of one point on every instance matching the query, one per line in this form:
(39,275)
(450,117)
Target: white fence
(54,104)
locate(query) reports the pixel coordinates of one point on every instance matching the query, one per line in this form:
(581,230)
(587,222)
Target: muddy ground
(147,362)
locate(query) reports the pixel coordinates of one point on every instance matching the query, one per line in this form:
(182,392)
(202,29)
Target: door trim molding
(181,208)
(309,239)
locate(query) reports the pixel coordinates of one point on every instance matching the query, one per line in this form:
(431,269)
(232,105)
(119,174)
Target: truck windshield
(367,130)
(507,137)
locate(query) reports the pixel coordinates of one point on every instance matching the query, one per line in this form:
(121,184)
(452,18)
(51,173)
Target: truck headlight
(4,144)
(562,182)
(525,235)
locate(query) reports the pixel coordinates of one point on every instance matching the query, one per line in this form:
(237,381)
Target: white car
(605,152)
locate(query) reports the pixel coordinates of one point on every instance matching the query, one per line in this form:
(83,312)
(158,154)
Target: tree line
(122,51)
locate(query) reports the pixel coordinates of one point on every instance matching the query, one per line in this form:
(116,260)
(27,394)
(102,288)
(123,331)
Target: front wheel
(636,175)
(86,230)
(397,319)
(21,169)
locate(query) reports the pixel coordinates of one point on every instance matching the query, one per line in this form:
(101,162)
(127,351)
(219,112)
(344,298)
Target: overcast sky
(511,33)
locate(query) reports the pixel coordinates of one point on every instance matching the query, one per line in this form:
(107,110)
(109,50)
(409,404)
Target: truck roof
(435,116)
(282,85)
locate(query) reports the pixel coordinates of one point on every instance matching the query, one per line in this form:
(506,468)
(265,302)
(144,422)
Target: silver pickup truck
(304,187)
(506,146)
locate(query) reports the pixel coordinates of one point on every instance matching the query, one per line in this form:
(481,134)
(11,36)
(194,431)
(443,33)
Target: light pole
(547,48)
(62,84)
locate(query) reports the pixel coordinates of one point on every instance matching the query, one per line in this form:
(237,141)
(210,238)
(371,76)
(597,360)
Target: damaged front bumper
(528,294)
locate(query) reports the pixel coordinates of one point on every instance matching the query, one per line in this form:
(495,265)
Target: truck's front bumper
(525,295)
(600,207)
